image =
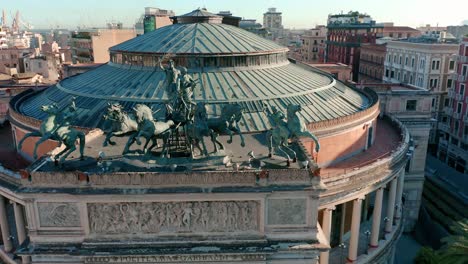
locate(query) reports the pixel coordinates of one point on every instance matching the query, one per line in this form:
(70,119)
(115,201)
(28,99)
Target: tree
(453,251)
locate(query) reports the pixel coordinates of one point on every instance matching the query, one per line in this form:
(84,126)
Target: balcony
(463,59)
(448,110)
(444,127)
(459,97)
(451,93)
(456,115)
(462,78)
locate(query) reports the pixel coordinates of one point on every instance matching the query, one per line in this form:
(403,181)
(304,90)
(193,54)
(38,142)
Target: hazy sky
(296,13)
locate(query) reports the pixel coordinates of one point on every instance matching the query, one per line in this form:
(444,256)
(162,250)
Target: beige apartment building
(93,45)
(423,64)
(313,45)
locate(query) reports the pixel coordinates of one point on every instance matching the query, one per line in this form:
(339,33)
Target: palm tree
(455,248)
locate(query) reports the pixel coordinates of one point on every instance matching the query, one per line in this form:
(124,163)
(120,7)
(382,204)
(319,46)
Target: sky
(297,14)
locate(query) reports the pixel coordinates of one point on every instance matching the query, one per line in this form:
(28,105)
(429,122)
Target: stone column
(326,227)
(391,206)
(355,224)
(20,228)
(7,244)
(376,218)
(399,196)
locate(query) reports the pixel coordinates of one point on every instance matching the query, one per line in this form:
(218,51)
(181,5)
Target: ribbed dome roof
(229,64)
(198,38)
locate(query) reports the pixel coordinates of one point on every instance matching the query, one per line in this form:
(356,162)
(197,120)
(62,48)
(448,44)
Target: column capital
(330,208)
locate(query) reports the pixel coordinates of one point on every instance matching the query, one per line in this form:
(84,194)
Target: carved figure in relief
(187,215)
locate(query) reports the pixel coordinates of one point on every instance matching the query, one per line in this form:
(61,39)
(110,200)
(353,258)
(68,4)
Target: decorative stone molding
(286,211)
(180,258)
(58,215)
(173,217)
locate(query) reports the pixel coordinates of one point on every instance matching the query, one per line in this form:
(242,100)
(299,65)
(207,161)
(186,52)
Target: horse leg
(72,148)
(270,144)
(205,150)
(130,141)
(285,153)
(236,129)
(213,139)
(230,133)
(31,134)
(107,139)
(42,139)
(293,152)
(82,137)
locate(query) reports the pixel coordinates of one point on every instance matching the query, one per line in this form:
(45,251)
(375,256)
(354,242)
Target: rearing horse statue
(57,127)
(282,131)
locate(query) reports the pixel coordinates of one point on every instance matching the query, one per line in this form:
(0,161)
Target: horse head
(142,113)
(292,110)
(232,112)
(51,109)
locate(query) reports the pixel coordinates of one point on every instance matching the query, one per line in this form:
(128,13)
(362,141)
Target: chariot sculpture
(185,120)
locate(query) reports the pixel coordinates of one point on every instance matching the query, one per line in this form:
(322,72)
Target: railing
(462,78)
(459,97)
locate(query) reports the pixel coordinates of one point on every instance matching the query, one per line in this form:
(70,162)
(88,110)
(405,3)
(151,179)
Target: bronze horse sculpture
(150,129)
(282,131)
(57,127)
(122,124)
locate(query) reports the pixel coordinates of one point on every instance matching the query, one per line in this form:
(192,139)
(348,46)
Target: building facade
(453,137)
(346,33)
(371,64)
(273,23)
(427,65)
(11,59)
(313,45)
(91,46)
(233,206)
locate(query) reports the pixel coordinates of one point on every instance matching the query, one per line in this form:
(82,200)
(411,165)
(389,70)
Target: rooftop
(387,139)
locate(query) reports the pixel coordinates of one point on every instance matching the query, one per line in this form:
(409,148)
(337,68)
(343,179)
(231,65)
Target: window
(436,64)
(398,76)
(449,83)
(400,59)
(452,65)
(394,58)
(446,102)
(411,105)
(411,79)
(421,64)
(456,127)
(412,62)
(464,71)
(459,107)
(406,61)
(462,89)
(389,58)
(433,83)
(392,74)
(386,73)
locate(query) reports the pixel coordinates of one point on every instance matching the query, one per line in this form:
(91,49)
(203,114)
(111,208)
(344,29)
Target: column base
(373,246)
(350,261)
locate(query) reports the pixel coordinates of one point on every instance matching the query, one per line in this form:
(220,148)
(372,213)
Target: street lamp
(367,233)
(342,247)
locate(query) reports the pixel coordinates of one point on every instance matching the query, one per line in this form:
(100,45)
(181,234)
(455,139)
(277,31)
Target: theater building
(342,202)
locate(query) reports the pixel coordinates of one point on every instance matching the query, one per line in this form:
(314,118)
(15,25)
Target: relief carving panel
(169,217)
(58,215)
(287,211)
